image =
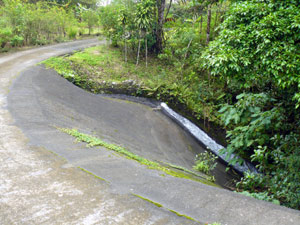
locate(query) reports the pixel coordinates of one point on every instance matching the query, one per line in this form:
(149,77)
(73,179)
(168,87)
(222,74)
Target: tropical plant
(258,44)
(91,18)
(258,130)
(206,162)
(143,19)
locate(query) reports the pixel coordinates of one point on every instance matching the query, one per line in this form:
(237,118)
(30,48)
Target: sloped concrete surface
(40,182)
(39,187)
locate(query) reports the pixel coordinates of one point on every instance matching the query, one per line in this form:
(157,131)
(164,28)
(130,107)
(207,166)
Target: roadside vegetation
(29,23)
(234,64)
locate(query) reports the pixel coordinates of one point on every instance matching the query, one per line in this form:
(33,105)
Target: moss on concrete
(161,206)
(86,171)
(148,200)
(94,141)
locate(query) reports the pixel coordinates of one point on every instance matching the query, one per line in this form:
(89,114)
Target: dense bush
(23,23)
(259,44)
(257,58)
(121,23)
(91,18)
(5,36)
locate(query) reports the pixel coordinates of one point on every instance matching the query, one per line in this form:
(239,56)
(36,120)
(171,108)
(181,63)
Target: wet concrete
(39,100)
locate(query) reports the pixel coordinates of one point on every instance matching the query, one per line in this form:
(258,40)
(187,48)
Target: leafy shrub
(72,33)
(257,129)
(248,123)
(206,162)
(261,196)
(181,46)
(258,44)
(38,23)
(5,36)
(91,18)
(256,54)
(17,41)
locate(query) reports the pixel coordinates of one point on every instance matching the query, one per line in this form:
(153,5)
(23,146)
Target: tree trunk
(185,56)
(138,53)
(201,24)
(125,50)
(146,50)
(216,20)
(208,24)
(168,10)
(125,44)
(161,4)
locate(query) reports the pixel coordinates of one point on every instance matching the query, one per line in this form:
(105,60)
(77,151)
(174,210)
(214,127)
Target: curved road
(40,179)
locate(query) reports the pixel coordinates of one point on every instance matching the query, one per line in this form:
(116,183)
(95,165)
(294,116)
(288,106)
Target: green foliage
(112,18)
(261,196)
(91,18)
(256,56)
(25,23)
(257,129)
(182,45)
(281,179)
(103,65)
(5,36)
(144,14)
(250,123)
(72,32)
(94,141)
(60,65)
(258,43)
(206,162)
(63,67)
(16,41)
(125,21)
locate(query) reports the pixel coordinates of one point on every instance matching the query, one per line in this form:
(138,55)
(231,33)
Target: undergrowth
(206,162)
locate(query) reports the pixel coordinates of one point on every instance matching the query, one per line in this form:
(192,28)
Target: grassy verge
(94,141)
(102,69)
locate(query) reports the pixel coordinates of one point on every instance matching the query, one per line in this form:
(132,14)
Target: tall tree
(143,18)
(123,17)
(208,23)
(161,5)
(91,18)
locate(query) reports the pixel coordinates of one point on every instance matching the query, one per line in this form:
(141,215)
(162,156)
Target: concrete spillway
(38,187)
(207,141)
